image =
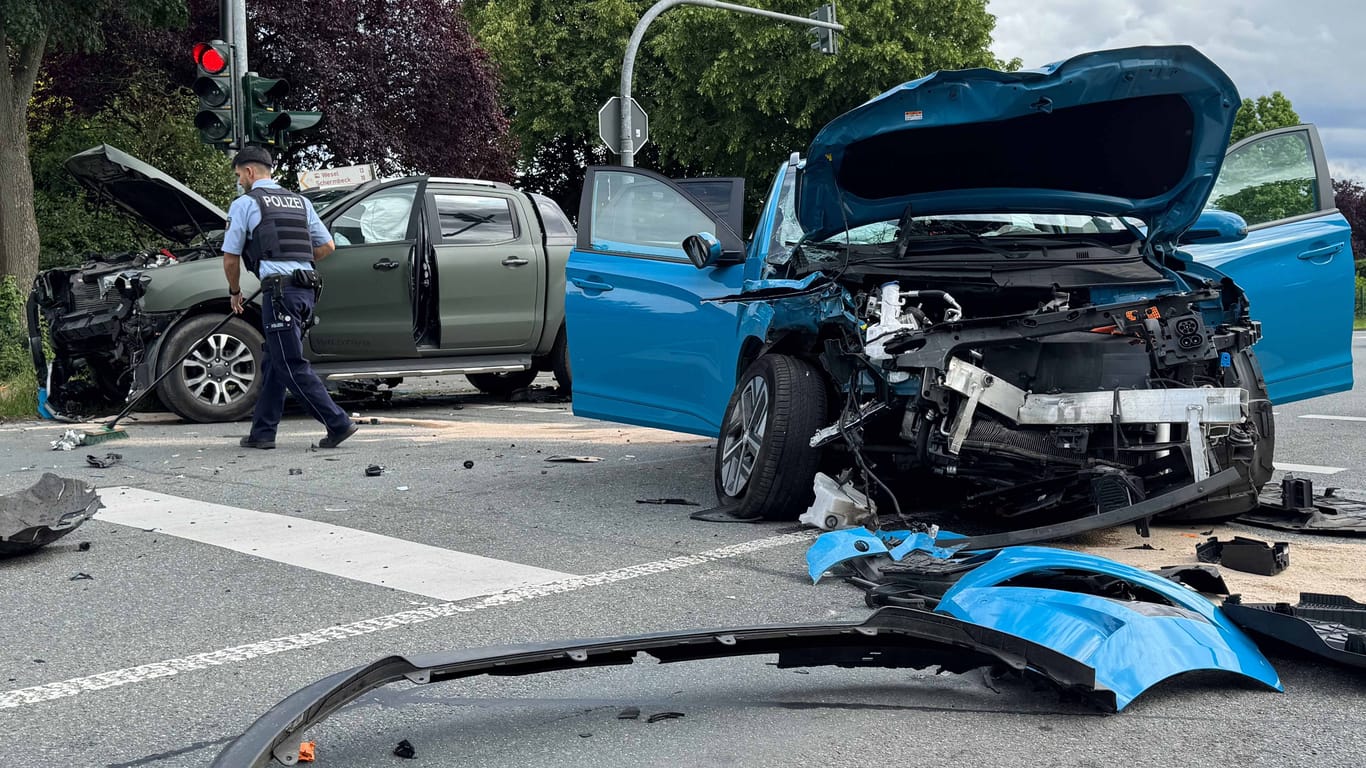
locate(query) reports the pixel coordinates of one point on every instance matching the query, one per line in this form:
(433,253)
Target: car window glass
(378,218)
(1268,180)
(638,214)
(474,219)
(556,224)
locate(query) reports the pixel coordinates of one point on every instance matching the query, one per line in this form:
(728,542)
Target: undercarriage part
(890,638)
(1329,626)
(1244,554)
(828,434)
(1295,507)
(47,511)
(1143,510)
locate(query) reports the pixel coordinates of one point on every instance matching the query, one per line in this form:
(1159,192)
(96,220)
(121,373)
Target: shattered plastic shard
(49,510)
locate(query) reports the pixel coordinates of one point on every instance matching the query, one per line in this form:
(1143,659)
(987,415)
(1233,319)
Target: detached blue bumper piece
(1132,645)
(831,549)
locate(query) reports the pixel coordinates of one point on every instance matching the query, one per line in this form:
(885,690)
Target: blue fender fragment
(835,547)
(1132,645)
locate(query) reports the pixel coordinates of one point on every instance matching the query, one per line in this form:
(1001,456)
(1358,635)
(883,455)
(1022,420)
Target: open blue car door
(645,346)
(1295,265)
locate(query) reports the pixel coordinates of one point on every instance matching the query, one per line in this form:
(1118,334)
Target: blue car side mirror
(703,249)
(1215,227)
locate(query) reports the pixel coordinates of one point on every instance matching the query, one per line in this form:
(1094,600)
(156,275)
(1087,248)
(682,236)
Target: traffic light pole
(628,63)
(235,29)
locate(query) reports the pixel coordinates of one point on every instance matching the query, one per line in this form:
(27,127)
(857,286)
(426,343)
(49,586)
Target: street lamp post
(628,63)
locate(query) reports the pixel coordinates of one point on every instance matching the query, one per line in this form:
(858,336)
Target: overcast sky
(1313,51)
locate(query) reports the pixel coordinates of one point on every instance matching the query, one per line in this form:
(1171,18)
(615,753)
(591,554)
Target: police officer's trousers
(283,366)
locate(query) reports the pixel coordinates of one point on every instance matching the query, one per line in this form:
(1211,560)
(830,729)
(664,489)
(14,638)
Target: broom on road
(111,429)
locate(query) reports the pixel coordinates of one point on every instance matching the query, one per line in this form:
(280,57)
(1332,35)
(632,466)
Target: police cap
(253,154)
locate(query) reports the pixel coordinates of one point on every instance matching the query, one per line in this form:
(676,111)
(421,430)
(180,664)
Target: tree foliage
(1265,113)
(30,30)
(1350,198)
(400,83)
(727,93)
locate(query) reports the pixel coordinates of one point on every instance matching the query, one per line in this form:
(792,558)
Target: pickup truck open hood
(1137,132)
(170,208)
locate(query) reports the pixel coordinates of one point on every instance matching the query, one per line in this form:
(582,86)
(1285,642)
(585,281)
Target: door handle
(1326,252)
(384,265)
(590,285)
(513,261)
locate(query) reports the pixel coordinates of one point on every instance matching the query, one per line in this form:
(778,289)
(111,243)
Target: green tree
(146,120)
(727,93)
(1264,114)
(29,29)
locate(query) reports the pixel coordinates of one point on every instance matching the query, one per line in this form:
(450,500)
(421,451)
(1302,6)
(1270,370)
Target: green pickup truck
(431,276)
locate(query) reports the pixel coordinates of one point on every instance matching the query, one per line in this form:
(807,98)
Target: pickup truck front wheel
(221,378)
(764,461)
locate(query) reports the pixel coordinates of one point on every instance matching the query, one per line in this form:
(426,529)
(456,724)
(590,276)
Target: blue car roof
(1136,132)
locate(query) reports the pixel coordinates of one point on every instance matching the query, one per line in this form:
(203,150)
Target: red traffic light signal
(210,58)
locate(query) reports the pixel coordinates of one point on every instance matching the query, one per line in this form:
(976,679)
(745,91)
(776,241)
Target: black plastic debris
(295,471)
(469,465)
(1144,546)
(81,577)
(676,502)
(405,750)
(109,460)
(1201,578)
(630,713)
(1330,626)
(47,511)
(574,459)
(1295,507)
(658,716)
(84,546)
(1243,554)
(374,470)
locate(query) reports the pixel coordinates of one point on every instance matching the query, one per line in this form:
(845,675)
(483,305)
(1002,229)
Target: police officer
(280,236)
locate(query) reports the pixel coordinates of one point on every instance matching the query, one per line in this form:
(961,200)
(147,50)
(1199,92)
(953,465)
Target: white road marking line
(1333,418)
(20,697)
(347,552)
(1314,469)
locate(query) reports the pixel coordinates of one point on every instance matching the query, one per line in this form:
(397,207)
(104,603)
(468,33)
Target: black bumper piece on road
(1330,626)
(890,638)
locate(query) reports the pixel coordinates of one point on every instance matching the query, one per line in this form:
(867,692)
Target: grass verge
(19,399)
(1360,324)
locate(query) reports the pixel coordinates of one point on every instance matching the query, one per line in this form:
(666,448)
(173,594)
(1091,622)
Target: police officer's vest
(282,234)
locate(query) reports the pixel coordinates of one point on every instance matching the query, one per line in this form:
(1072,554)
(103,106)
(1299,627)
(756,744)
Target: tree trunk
(18,226)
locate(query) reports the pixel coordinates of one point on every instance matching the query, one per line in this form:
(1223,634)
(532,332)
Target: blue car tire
(765,464)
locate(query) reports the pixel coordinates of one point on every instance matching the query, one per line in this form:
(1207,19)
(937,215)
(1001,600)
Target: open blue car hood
(1137,132)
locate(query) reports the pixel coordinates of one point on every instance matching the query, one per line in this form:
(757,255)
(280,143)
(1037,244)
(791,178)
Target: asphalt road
(229,582)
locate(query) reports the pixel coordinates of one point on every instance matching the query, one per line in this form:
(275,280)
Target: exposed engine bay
(98,334)
(1036,394)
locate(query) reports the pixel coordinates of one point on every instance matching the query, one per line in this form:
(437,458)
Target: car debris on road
(1295,507)
(45,512)
(1244,554)
(109,460)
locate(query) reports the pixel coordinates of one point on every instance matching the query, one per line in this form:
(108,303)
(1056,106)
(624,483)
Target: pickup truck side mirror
(703,249)
(1215,227)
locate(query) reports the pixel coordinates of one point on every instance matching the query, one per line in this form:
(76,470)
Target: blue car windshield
(984,225)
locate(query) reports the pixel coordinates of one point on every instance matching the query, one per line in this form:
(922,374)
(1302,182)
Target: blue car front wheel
(765,464)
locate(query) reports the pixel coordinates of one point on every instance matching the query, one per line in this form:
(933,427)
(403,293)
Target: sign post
(348,176)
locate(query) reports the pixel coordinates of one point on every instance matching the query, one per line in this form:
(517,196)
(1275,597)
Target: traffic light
(825,38)
(213,86)
(264,119)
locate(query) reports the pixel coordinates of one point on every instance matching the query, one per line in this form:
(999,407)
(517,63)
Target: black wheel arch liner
(891,637)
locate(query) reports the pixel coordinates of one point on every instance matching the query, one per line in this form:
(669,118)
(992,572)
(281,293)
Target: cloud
(1310,51)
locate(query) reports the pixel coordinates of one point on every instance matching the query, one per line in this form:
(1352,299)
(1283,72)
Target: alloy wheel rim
(220,370)
(744,436)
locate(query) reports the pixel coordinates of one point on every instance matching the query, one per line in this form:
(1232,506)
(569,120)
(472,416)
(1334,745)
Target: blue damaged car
(1046,294)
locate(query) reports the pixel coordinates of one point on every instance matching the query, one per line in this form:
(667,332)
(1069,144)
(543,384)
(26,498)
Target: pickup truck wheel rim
(744,436)
(220,370)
